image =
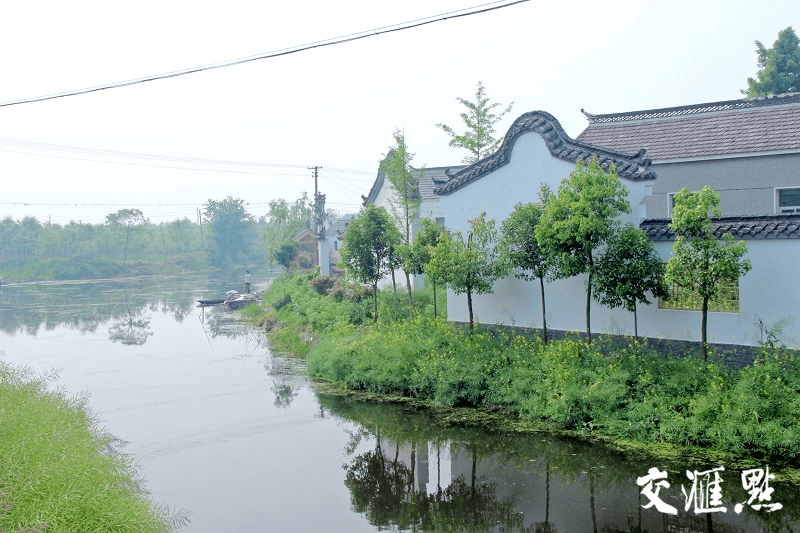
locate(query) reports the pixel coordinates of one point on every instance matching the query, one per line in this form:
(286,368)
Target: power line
(475,10)
(140,155)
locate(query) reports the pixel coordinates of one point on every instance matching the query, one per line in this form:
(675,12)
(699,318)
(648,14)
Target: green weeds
(59,472)
(623,389)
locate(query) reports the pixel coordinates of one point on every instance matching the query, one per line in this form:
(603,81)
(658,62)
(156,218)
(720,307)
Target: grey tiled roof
(782,226)
(633,166)
(751,125)
(431,179)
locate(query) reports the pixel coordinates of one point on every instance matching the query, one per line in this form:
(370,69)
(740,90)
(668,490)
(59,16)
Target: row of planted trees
(574,231)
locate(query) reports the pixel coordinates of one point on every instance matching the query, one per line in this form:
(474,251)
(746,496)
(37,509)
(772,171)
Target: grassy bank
(59,472)
(622,389)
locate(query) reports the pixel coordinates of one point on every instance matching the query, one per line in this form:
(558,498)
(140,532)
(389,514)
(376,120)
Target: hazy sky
(335,107)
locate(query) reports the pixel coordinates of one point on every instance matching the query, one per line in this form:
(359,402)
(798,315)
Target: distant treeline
(29,239)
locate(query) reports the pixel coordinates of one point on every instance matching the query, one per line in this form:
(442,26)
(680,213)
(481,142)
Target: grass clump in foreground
(618,388)
(59,472)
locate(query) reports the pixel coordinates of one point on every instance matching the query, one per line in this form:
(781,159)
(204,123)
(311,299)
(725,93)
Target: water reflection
(133,328)
(421,472)
(126,306)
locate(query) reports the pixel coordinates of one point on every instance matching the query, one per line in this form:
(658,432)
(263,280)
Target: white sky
(335,107)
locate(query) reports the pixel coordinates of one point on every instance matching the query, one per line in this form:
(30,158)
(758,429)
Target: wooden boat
(241,301)
(213,301)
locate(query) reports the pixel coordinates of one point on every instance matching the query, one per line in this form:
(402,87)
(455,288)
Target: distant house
(537,150)
(329,247)
(429,179)
(308,244)
(747,150)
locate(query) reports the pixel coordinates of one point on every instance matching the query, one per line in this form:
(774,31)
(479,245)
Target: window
(670,203)
(787,200)
(726,301)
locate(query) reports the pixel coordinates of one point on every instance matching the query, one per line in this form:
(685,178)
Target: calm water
(236,435)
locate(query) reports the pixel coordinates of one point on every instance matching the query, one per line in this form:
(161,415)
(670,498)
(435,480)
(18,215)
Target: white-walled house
(537,150)
(747,150)
(429,179)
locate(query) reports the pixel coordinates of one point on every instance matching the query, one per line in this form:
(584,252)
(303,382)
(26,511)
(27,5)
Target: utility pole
(316,170)
(319,212)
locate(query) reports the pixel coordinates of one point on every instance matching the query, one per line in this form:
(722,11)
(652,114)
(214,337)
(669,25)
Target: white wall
(771,291)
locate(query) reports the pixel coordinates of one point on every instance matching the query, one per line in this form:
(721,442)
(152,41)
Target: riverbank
(60,471)
(612,389)
(15,271)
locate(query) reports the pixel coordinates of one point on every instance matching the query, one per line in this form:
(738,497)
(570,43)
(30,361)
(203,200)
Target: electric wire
(474,10)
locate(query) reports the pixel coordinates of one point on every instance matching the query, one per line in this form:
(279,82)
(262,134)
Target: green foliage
(627,390)
(59,471)
(286,254)
(284,220)
(129,220)
(404,202)
(521,249)
(628,270)
(367,246)
(580,219)
(778,67)
(701,263)
(479,120)
(232,229)
(470,266)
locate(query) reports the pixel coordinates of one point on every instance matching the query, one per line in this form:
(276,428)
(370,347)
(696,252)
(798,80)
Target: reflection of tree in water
(86,305)
(285,384)
(383,489)
(133,328)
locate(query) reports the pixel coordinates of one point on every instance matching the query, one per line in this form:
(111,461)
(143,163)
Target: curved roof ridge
(769,226)
(709,107)
(561,146)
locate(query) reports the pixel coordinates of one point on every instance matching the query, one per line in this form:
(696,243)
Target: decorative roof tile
(431,178)
(747,126)
(632,166)
(781,226)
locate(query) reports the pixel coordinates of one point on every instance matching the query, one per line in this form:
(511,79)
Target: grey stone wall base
(733,355)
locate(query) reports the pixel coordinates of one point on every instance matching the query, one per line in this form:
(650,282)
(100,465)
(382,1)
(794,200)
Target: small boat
(214,301)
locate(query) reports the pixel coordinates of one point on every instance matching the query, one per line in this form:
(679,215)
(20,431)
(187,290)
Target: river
(237,438)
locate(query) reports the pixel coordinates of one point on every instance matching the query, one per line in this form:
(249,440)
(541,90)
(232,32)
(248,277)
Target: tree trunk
(375,298)
(410,302)
(433,281)
(394,283)
(704,330)
(635,324)
(469,305)
(589,305)
(544,313)
(125,256)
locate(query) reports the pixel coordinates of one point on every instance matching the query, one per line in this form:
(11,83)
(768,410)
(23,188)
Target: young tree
(129,220)
(229,227)
(470,266)
(365,251)
(420,254)
(286,255)
(479,119)
(284,221)
(529,260)
(628,269)
(404,202)
(701,262)
(580,219)
(778,67)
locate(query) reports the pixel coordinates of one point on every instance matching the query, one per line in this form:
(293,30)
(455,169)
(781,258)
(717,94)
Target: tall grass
(625,389)
(59,471)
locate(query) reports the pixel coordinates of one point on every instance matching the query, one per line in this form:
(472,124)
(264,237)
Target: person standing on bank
(247,278)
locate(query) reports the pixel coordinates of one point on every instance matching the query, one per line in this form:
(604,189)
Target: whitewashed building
(537,150)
